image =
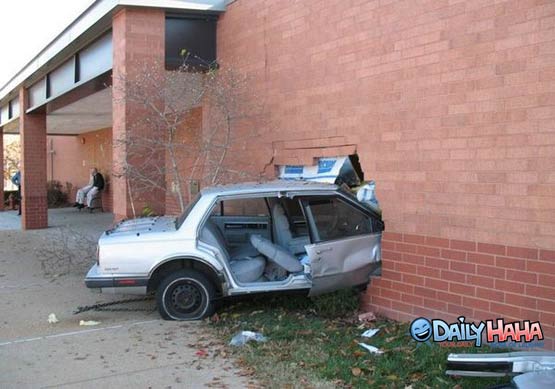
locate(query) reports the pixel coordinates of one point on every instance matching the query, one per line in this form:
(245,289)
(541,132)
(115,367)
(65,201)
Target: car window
(179,221)
(243,207)
(335,219)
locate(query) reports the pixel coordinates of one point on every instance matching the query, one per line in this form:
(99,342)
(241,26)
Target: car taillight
(97,255)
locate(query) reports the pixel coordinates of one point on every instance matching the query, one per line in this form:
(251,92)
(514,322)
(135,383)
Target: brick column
(32,129)
(2,168)
(138,43)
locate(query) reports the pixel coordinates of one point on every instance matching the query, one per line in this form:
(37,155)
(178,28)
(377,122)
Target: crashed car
(279,236)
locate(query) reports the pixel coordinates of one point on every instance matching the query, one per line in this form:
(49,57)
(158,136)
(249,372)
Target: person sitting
(88,193)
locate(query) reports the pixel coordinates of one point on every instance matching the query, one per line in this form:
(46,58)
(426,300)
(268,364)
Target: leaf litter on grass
(306,347)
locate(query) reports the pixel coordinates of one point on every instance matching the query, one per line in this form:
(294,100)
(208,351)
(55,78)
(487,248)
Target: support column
(138,36)
(32,130)
(2,168)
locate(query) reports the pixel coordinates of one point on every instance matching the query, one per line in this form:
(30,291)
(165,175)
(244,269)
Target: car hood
(138,227)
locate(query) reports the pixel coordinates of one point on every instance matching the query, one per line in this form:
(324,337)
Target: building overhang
(83,31)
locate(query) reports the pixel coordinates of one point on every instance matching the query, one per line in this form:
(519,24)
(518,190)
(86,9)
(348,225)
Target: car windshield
(179,220)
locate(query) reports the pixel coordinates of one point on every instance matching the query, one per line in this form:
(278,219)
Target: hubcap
(186,297)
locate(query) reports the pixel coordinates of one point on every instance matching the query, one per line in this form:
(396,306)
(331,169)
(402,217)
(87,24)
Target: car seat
(282,232)
(245,268)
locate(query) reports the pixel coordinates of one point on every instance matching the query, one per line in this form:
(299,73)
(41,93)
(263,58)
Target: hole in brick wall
(337,170)
(355,162)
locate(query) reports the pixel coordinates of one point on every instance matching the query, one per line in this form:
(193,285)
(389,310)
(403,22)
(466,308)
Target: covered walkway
(62,217)
(78,86)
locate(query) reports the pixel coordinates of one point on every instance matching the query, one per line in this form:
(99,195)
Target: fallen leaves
(322,349)
(246,371)
(201,353)
(358,354)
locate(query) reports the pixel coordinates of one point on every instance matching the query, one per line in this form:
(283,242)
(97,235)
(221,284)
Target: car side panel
(139,258)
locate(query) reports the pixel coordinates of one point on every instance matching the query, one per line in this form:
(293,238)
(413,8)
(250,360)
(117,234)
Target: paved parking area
(128,349)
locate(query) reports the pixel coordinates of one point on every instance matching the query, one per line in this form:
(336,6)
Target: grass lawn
(314,343)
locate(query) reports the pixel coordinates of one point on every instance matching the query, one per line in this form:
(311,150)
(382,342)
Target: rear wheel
(185,295)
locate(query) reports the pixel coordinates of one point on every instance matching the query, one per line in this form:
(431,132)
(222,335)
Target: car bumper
(108,283)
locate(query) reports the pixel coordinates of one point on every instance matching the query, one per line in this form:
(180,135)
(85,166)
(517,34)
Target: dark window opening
(191,41)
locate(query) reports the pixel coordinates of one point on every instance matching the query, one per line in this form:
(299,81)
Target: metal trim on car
(113,282)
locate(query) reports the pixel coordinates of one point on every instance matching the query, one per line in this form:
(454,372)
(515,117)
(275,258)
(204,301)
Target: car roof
(269,186)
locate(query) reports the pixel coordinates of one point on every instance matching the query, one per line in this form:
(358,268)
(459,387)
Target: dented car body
(238,239)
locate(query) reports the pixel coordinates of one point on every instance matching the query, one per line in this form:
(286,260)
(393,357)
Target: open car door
(346,243)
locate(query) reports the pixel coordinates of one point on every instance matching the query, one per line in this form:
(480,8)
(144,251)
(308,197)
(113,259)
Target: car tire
(185,295)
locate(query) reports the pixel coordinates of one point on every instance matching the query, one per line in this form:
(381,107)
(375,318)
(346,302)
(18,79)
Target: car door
(346,243)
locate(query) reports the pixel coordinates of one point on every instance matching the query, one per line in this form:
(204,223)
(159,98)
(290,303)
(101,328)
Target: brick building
(449,105)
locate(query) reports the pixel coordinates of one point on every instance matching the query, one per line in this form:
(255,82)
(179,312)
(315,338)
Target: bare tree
(196,126)
(66,251)
(12,151)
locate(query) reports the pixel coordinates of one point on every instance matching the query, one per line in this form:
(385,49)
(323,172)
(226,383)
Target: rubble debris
(368,316)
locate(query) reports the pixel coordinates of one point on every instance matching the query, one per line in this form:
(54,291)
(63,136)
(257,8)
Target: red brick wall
(442,278)
(75,155)
(32,127)
(138,45)
(186,141)
(451,108)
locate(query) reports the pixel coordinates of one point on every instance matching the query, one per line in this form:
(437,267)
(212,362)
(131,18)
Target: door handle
(320,251)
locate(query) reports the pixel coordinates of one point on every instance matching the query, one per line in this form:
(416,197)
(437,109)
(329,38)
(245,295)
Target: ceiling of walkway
(87,114)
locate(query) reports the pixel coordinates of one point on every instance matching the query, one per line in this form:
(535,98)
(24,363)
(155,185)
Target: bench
(96,202)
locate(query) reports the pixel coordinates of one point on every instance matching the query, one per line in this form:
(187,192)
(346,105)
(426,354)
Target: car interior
(262,238)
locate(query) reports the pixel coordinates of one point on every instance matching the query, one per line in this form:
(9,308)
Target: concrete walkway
(9,220)
(57,217)
(127,349)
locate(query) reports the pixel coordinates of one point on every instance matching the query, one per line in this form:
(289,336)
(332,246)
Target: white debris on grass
(52,319)
(88,323)
(371,349)
(369,333)
(241,338)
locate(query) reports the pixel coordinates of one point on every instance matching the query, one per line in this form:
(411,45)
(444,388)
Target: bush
(55,194)
(7,194)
